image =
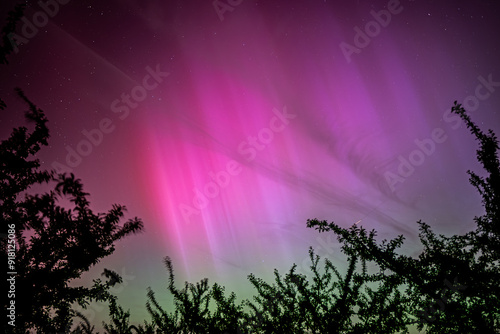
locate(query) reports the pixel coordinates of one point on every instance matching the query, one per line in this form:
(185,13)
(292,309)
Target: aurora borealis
(225,125)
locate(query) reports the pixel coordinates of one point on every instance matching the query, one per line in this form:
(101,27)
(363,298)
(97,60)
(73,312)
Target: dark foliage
(325,303)
(9,28)
(454,283)
(54,244)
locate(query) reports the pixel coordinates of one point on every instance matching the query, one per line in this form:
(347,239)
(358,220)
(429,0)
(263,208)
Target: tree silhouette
(7,46)
(54,244)
(192,308)
(453,285)
(327,302)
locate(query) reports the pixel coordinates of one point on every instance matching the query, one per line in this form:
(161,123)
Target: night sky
(226,125)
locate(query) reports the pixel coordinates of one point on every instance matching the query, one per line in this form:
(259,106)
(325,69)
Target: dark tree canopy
(454,283)
(54,244)
(7,39)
